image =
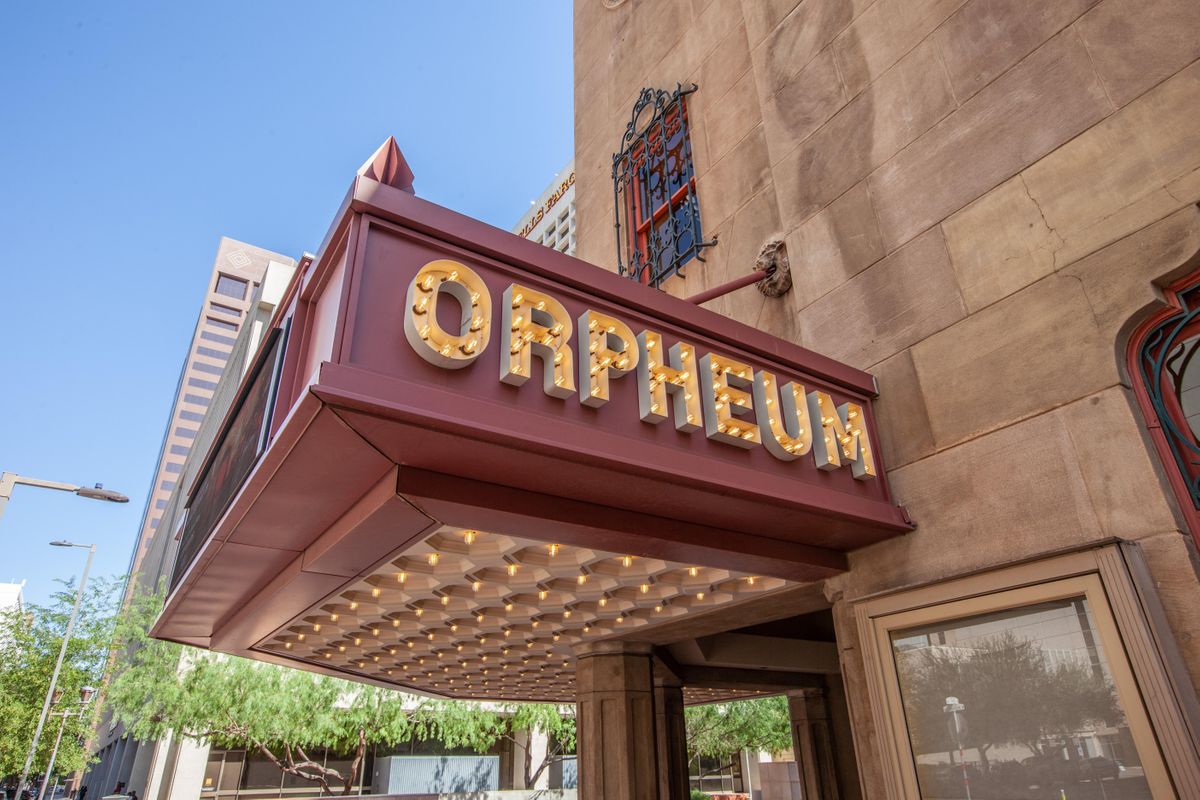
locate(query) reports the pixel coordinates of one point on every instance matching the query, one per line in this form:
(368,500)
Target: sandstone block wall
(977,198)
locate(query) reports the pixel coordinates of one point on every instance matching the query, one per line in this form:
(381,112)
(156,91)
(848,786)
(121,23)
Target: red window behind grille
(656,187)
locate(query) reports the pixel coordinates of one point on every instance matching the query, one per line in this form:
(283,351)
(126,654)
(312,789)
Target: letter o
(430,341)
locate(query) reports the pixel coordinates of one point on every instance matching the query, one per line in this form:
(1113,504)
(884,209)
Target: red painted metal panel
(326,502)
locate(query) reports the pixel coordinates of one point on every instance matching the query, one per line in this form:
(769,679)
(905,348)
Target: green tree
(720,730)
(30,639)
(286,715)
(557,723)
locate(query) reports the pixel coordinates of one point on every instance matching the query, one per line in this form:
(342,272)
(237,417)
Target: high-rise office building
(243,287)
(550,219)
(238,268)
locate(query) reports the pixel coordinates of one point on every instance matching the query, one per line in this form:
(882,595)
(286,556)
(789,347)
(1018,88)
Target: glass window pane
(1018,703)
(231,775)
(259,773)
(212,771)
(1183,370)
(231,287)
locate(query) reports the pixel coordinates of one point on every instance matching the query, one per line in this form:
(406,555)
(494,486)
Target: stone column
(812,743)
(670,737)
(615,719)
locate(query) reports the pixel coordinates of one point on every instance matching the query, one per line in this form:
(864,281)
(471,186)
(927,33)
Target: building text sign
(734,403)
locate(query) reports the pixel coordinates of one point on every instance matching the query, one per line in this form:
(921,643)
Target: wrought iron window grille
(654,190)
(1165,364)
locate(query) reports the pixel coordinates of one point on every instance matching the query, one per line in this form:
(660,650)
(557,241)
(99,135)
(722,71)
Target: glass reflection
(1016,705)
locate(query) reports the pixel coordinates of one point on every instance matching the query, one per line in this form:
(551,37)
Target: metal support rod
(732,286)
(53,755)
(62,652)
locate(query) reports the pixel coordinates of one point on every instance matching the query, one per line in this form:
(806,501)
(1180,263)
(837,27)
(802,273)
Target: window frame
(221,276)
(1154,690)
(636,226)
(1177,321)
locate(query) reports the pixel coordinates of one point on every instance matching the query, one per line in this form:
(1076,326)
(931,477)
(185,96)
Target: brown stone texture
(834,246)
(899,301)
(793,112)
(741,237)
(1121,480)
(1137,43)
(1036,350)
(904,103)
(616,716)
(763,15)
(734,179)
(903,420)
(1121,278)
(986,37)
(727,63)
(998,498)
(999,244)
(734,115)
(1042,102)
(979,200)
(1173,564)
(883,34)
(798,37)
(1110,180)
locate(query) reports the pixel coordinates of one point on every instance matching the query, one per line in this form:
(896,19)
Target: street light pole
(62,652)
(85,695)
(8,480)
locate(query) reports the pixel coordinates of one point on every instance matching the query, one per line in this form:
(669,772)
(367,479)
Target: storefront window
(1016,703)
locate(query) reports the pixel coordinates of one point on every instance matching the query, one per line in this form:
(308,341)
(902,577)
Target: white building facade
(550,219)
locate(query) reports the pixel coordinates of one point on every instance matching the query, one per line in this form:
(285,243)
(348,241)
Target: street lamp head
(98,492)
(58,693)
(62,543)
(86,693)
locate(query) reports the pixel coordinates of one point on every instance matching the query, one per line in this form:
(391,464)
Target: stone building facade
(981,201)
(942,490)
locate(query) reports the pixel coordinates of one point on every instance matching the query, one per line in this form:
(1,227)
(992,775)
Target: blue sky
(133,135)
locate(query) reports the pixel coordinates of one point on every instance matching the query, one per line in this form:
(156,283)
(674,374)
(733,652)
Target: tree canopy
(721,730)
(287,715)
(30,639)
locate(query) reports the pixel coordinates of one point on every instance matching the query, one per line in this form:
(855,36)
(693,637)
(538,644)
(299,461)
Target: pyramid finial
(387,165)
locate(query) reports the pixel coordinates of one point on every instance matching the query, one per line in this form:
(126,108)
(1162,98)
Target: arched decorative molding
(1163,359)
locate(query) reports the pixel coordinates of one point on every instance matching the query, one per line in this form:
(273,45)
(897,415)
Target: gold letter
(451,351)
(609,347)
(782,417)
(843,435)
(537,324)
(655,379)
(720,400)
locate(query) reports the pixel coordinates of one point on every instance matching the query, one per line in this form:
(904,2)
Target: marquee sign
(440,374)
(733,403)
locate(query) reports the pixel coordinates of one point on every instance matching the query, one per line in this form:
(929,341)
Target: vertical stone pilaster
(812,743)
(615,718)
(671,739)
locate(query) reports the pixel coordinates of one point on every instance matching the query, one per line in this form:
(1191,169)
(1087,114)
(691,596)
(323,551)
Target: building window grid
(229,286)
(654,190)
